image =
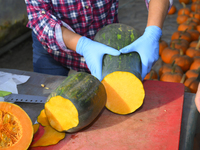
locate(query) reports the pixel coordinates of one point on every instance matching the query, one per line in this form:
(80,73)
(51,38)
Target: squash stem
(187,22)
(183,78)
(197,46)
(151,75)
(173,68)
(173,45)
(181,51)
(198,70)
(173,63)
(183,4)
(179,39)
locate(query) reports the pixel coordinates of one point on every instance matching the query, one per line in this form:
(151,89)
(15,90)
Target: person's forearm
(70,38)
(197,98)
(157,12)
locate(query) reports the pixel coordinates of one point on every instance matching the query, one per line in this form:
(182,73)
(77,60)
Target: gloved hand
(93,53)
(148,48)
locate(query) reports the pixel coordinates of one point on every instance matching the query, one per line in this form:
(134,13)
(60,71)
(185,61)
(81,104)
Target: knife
(25,98)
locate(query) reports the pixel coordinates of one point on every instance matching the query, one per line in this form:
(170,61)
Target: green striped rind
(86,92)
(125,62)
(118,36)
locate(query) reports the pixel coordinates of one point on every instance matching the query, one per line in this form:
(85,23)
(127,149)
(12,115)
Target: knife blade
(25,98)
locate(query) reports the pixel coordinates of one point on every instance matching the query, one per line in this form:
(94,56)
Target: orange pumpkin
(195,6)
(194,34)
(194,43)
(181,35)
(195,20)
(182,18)
(192,83)
(168,68)
(195,14)
(172,10)
(182,61)
(162,45)
(171,76)
(194,0)
(168,52)
(192,73)
(196,63)
(193,51)
(184,10)
(198,28)
(189,24)
(152,75)
(180,44)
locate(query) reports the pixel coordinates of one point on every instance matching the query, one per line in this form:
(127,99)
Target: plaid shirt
(84,17)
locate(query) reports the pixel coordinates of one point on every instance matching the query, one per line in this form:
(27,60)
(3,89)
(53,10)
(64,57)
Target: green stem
(183,78)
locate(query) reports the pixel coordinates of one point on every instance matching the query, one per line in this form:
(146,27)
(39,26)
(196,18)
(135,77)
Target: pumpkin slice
(35,128)
(50,137)
(62,109)
(15,127)
(125,92)
(42,118)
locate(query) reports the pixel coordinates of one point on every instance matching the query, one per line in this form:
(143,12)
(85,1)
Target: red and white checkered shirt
(84,17)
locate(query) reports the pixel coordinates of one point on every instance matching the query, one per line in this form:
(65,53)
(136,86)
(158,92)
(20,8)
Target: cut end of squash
(16,131)
(61,113)
(125,92)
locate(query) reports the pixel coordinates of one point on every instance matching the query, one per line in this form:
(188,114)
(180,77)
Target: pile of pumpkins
(181,57)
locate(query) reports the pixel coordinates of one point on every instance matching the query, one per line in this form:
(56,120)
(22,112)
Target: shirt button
(43,12)
(86,6)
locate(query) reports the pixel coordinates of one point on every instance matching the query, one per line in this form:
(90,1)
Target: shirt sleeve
(147,3)
(45,25)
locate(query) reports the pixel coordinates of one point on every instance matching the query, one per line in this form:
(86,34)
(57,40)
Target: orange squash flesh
(61,113)
(15,127)
(125,92)
(42,118)
(50,137)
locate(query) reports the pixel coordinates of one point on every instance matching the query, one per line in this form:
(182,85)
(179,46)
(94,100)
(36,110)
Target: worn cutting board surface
(155,126)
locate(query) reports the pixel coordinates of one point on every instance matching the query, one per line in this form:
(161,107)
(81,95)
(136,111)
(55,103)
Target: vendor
(63,33)
(197,98)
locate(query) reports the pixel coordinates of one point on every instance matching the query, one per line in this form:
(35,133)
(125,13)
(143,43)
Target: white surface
(9,82)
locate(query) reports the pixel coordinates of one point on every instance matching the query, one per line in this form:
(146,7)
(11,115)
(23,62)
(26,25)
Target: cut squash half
(125,92)
(61,113)
(16,129)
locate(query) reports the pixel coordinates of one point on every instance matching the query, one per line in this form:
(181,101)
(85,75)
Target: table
(33,87)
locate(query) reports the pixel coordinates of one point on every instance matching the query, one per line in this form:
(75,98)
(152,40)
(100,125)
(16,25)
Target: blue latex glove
(148,48)
(93,53)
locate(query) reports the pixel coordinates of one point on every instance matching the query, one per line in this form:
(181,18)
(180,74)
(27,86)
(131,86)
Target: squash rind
(118,36)
(87,94)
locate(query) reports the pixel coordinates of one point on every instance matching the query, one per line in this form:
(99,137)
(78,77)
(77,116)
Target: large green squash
(119,35)
(75,103)
(121,74)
